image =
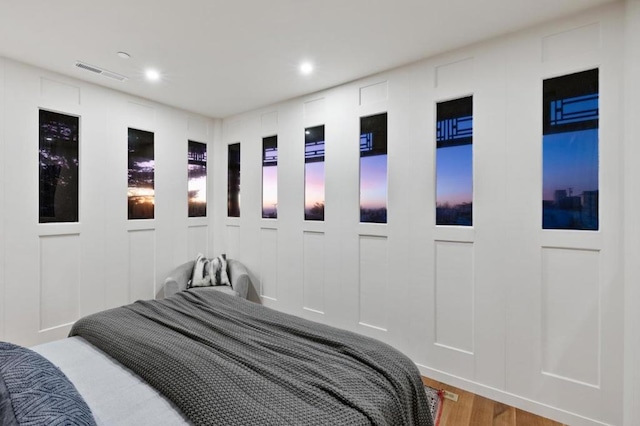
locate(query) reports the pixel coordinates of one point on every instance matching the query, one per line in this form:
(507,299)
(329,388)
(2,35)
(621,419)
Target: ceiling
(222,57)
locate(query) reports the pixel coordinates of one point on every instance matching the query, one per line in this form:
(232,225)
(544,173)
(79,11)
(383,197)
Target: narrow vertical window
(197,179)
(270,177)
(454,162)
(141,192)
(233,180)
(570,152)
(373,168)
(58,155)
(314,173)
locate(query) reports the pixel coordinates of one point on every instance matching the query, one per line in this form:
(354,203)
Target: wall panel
(456,75)
(571,315)
(64,95)
(141,116)
(2,201)
(269,123)
(142,265)
(269,263)
(574,41)
(198,241)
(372,93)
(59,280)
(314,271)
(564,298)
(454,295)
(20,176)
(314,112)
(233,241)
(632,205)
(374,282)
(197,127)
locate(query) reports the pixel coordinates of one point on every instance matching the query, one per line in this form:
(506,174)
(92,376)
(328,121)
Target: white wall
(632,206)
(530,317)
(52,274)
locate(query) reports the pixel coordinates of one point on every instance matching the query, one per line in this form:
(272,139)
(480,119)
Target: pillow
(218,271)
(224,275)
(199,276)
(34,391)
(214,271)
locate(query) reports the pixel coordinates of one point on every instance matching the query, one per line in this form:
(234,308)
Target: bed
(206,358)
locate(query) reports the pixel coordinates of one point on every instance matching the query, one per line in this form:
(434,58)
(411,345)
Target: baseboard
(513,400)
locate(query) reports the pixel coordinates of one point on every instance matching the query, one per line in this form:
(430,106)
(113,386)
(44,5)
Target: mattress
(115,395)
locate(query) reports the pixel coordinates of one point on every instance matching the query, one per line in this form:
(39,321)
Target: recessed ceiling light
(152,75)
(124,55)
(306,68)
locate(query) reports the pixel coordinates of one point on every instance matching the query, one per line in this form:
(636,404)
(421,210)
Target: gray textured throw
(226,361)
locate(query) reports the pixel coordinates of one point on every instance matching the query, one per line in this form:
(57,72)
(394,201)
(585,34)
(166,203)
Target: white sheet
(114,393)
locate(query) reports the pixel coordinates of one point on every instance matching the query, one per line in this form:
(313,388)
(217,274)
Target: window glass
(197,179)
(270,177)
(373,168)
(233,180)
(141,192)
(314,173)
(58,156)
(454,162)
(570,152)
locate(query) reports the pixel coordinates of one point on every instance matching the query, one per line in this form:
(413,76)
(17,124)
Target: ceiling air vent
(98,70)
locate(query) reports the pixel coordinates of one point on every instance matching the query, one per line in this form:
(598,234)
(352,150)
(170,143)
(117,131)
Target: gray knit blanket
(226,361)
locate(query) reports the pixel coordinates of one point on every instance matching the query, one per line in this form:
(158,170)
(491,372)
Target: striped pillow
(218,271)
(199,276)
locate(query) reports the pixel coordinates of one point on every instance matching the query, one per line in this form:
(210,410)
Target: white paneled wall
(52,274)
(571,315)
(198,240)
(3,321)
(631,271)
(314,271)
(503,308)
(142,264)
(373,304)
(454,301)
(59,290)
(269,264)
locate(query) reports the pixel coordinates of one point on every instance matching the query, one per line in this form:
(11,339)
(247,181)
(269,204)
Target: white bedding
(115,395)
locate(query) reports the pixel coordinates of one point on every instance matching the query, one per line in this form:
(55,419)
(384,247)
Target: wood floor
(475,410)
